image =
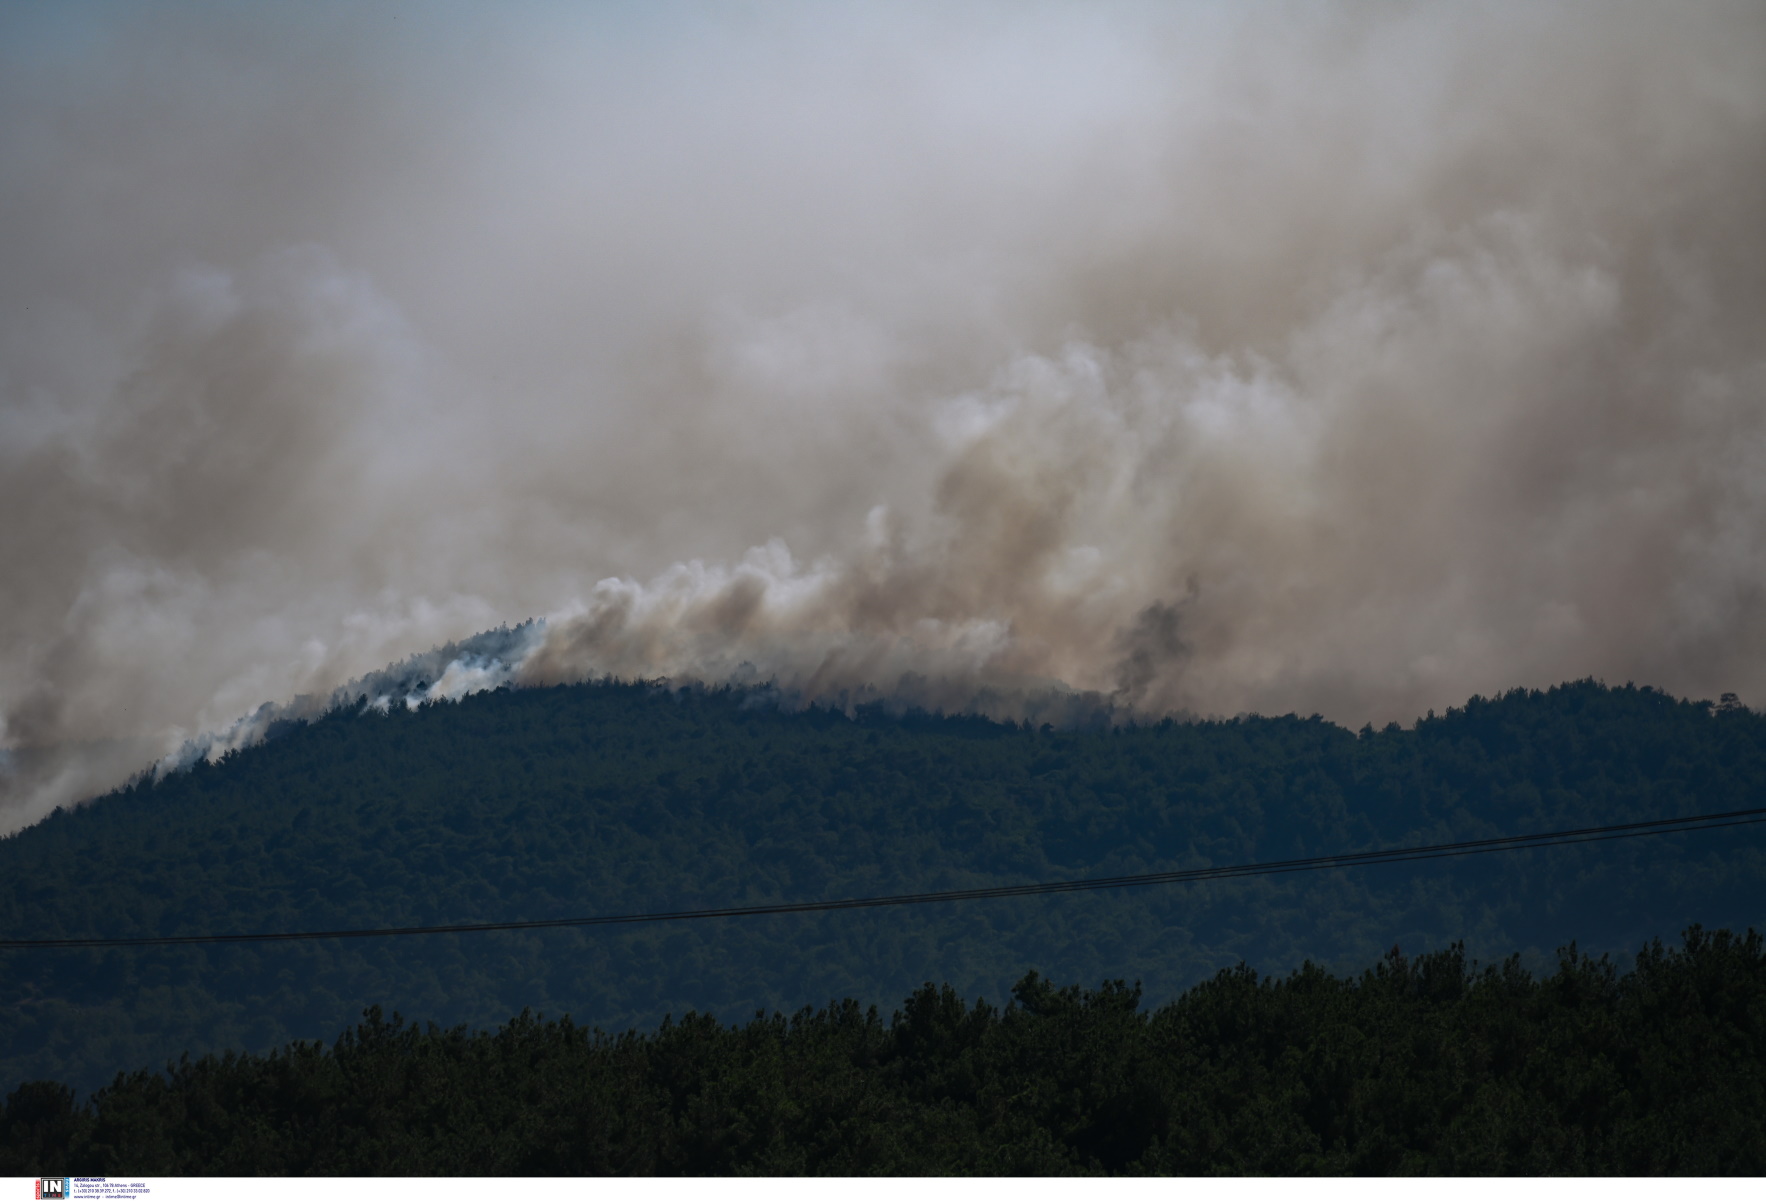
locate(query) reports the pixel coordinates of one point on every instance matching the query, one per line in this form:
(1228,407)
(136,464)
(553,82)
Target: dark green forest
(541,803)
(1420,1065)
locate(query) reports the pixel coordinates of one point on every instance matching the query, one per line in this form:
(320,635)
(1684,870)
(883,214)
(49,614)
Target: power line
(1445,850)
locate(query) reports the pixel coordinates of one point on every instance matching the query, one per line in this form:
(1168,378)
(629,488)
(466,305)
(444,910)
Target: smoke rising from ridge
(1349,359)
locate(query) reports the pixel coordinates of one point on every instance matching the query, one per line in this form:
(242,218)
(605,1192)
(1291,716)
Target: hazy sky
(1213,358)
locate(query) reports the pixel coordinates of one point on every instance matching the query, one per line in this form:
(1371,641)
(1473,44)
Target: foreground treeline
(1420,1065)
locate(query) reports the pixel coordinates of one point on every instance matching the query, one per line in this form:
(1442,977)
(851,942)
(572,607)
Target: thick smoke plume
(1349,359)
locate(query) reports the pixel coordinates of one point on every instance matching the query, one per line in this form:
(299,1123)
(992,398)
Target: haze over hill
(1343,359)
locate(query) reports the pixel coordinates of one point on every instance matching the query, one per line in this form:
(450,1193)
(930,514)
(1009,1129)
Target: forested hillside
(614,798)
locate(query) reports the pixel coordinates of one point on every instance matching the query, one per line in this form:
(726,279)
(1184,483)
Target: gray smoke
(1348,359)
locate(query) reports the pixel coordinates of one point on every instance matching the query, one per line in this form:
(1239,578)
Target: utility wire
(1445,850)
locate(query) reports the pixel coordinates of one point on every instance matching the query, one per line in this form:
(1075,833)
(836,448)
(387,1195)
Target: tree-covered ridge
(1421,1065)
(618,798)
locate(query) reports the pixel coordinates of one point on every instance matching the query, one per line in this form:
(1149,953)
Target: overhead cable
(1446,850)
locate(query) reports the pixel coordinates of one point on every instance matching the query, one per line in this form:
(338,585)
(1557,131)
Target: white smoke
(1341,359)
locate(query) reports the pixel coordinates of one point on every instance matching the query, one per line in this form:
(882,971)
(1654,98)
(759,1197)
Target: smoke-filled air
(1163,359)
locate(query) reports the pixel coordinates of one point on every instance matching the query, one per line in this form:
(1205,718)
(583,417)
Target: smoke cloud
(1349,359)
